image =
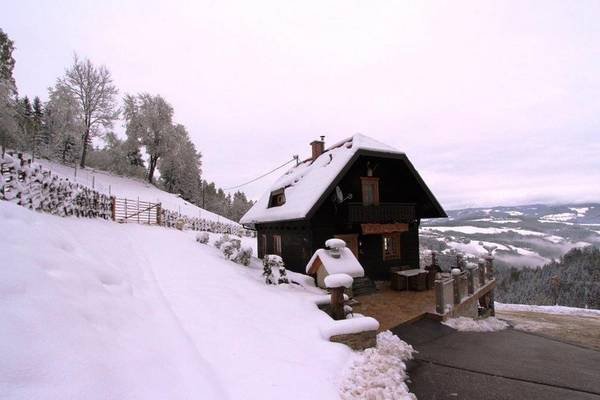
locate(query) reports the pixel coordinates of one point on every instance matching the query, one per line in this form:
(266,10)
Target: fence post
(489,261)
(113,208)
(471,271)
(158,214)
(439,296)
(456,285)
(481,271)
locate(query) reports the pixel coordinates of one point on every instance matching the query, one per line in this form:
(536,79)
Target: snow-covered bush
(224,238)
(228,250)
(243,255)
(282,274)
(270,262)
(202,237)
(380,372)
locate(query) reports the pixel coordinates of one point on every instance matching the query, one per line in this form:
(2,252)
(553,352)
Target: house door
(351,242)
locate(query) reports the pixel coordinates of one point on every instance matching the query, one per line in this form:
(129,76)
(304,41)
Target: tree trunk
(86,136)
(151,168)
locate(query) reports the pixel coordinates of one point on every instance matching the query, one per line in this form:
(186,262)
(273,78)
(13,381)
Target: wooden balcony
(382,213)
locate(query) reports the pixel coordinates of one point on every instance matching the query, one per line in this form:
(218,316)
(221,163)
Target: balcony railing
(382,213)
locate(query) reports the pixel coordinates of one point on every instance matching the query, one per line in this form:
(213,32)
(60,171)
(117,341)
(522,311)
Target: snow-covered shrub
(243,255)
(202,237)
(228,250)
(224,238)
(380,372)
(282,274)
(270,262)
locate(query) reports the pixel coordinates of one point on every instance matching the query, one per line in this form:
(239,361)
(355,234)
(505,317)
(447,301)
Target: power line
(263,175)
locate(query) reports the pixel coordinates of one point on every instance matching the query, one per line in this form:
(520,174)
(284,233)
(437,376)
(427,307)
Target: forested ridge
(573,280)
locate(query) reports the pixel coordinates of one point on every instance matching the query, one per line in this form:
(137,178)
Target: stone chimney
(318,146)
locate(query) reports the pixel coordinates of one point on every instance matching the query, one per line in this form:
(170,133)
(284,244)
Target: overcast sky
(496,103)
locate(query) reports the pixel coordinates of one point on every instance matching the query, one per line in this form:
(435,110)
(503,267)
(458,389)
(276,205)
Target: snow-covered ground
(560,310)
(93,309)
(465,324)
(130,188)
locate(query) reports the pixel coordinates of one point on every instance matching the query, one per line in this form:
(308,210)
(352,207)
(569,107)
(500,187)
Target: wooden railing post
(481,272)
(440,307)
(158,214)
(489,261)
(337,303)
(456,285)
(471,277)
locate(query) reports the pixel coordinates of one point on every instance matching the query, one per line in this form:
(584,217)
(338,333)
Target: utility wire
(262,176)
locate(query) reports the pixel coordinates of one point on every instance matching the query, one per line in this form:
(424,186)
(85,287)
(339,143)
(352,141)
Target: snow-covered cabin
(359,190)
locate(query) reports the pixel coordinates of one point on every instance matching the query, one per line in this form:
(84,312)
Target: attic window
(277,198)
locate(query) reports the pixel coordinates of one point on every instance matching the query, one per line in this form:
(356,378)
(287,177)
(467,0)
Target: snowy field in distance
(130,188)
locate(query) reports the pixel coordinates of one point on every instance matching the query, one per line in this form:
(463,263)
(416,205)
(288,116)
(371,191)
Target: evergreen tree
(180,166)
(8,92)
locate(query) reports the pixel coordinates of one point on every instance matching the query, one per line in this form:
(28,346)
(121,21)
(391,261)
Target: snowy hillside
(93,309)
(530,235)
(130,188)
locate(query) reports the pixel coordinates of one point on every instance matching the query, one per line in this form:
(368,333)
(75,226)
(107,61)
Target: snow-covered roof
(345,264)
(305,183)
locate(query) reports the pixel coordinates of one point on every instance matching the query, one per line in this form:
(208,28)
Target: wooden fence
(28,185)
(141,212)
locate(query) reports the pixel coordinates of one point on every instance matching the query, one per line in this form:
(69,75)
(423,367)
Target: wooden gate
(141,212)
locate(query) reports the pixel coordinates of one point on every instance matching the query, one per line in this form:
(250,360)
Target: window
(391,246)
(370,191)
(277,245)
(263,245)
(277,198)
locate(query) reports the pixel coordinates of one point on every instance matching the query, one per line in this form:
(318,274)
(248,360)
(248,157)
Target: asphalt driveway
(509,364)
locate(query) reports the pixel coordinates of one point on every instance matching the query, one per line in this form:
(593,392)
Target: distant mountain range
(525,236)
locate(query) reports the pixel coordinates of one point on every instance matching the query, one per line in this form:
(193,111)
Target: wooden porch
(392,308)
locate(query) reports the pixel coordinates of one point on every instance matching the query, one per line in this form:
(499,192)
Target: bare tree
(149,122)
(95,93)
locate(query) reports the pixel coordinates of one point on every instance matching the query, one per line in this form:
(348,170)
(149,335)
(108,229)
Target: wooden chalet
(359,190)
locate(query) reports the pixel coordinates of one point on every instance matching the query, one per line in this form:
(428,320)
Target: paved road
(509,364)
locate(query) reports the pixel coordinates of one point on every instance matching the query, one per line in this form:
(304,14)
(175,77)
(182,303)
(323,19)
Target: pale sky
(496,103)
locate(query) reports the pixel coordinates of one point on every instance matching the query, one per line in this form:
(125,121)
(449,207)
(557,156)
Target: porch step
(362,286)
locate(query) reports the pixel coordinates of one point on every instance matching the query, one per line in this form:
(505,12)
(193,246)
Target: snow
(96,310)
(562,310)
(464,324)
(130,188)
(581,211)
(335,243)
(562,217)
(498,221)
(514,213)
(338,280)
(379,373)
(305,183)
(471,230)
(348,326)
(345,264)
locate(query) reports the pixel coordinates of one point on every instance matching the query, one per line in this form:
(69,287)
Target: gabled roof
(307,184)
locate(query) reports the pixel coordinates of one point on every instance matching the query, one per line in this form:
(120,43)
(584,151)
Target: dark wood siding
(397,188)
